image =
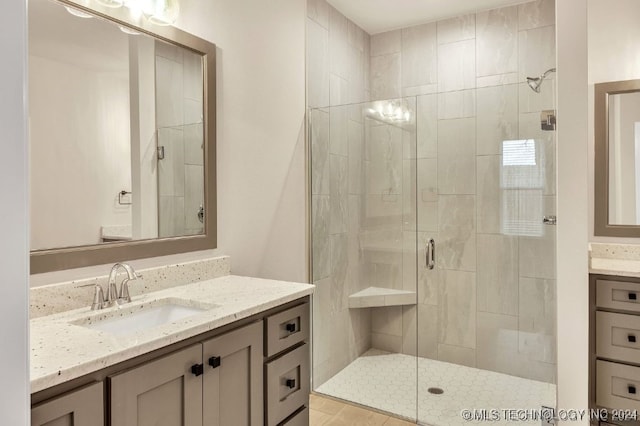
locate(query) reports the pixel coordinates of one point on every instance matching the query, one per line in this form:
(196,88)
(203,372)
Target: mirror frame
(99,254)
(602,91)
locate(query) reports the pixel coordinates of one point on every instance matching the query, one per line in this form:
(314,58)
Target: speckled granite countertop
(614,259)
(62,351)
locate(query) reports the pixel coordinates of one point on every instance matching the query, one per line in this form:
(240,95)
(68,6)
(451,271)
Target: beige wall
(573,289)
(14,216)
(613,39)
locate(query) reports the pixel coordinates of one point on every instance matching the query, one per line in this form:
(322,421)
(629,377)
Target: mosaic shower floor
(387,381)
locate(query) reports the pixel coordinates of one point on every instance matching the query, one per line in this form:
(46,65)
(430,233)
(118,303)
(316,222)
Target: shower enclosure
(433,237)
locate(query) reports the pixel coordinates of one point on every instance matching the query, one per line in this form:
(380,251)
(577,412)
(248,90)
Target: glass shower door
(364,251)
(486,312)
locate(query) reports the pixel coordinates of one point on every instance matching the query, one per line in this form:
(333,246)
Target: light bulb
(161,12)
(111,3)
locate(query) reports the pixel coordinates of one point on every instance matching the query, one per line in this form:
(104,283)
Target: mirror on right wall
(617,158)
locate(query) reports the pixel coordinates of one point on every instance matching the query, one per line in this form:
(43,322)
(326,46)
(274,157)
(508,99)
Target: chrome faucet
(122,296)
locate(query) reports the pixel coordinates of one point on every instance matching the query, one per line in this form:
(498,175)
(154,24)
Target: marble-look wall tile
(427,126)
(171,168)
(320,212)
(356,87)
(419,56)
(193,144)
(410,330)
(386,76)
(339,190)
(536,51)
(529,128)
(356,36)
(338,42)
(457,355)
(318,11)
(339,271)
(317,64)
(356,157)
(540,13)
(457,156)
(497,117)
(427,331)
(459,104)
(384,166)
(497,80)
(339,130)
(319,152)
(457,29)
(386,43)
(386,342)
(537,255)
(427,278)
(387,320)
(457,66)
(457,233)
(456,309)
(489,199)
(171,216)
(537,322)
(498,274)
(355,281)
(497,41)
(338,90)
(498,343)
(427,196)
(193,197)
(530,101)
(321,320)
(169,74)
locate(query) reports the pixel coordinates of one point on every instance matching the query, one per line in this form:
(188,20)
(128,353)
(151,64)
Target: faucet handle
(98,296)
(124,296)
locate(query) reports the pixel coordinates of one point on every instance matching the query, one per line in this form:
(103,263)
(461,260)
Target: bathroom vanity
(240,357)
(614,324)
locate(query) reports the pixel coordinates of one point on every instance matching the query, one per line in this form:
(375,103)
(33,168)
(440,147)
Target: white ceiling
(378,16)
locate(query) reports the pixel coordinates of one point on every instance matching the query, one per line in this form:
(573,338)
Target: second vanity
(238,353)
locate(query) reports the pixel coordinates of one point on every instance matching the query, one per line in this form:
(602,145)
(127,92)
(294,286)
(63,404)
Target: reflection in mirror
(624,158)
(116,132)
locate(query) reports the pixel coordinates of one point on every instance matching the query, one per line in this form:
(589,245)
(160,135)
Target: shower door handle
(430,254)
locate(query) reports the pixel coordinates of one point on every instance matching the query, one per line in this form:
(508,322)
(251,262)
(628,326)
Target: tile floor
(328,412)
(387,382)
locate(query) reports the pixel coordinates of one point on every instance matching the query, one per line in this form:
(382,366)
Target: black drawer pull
(633,296)
(631,389)
(631,338)
(291,327)
(291,383)
(197,369)
(215,361)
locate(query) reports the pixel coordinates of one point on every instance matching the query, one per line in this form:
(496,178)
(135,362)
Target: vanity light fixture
(128,30)
(111,3)
(161,12)
(78,12)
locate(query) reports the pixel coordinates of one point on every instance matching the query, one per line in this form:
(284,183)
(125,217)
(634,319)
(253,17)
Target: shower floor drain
(435,391)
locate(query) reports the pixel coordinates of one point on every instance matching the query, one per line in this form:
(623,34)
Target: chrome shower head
(536,82)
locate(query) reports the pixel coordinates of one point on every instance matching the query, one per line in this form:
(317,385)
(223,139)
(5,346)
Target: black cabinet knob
(631,389)
(197,369)
(631,338)
(214,361)
(291,327)
(291,383)
(633,296)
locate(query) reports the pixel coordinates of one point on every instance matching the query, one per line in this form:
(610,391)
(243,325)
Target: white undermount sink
(130,319)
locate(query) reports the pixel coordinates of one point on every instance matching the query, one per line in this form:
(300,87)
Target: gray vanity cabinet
(164,392)
(81,407)
(232,382)
(214,383)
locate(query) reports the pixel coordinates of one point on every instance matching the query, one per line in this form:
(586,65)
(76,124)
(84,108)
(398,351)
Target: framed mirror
(617,158)
(122,136)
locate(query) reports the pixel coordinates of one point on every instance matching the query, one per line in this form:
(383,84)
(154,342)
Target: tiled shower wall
(490,301)
(181,133)
(338,68)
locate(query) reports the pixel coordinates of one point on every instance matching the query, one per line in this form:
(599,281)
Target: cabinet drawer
(618,336)
(618,295)
(617,386)
(81,407)
(287,384)
(286,329)
(300,419)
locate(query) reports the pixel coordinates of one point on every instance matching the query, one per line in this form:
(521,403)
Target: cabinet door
(82,407)
(232,386)
(164,392)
